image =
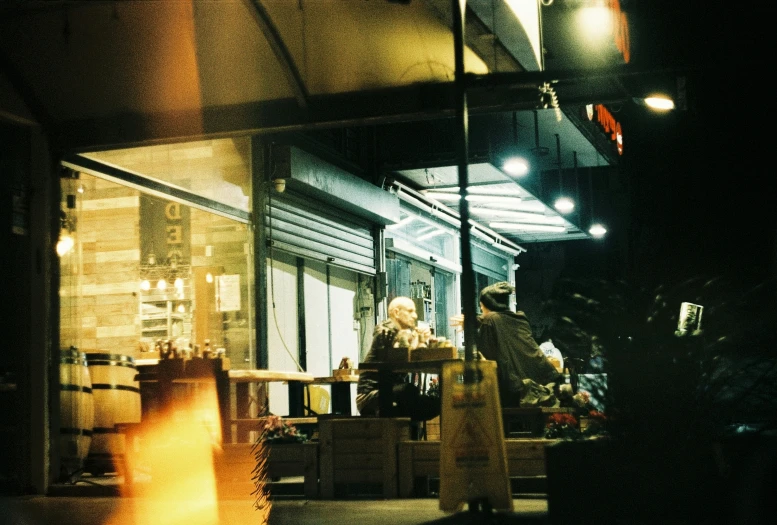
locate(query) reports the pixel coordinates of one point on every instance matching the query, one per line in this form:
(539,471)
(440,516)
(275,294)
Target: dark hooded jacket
(506,337)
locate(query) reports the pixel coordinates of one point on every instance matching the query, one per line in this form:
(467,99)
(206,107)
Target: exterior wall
(107,301)
(28,185)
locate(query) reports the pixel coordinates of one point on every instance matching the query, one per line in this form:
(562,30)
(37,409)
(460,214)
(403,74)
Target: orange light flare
(175,460)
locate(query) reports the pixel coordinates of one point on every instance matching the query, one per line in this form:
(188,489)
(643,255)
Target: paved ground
(43,510)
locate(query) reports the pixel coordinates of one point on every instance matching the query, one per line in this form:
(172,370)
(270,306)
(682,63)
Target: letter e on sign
(174,235)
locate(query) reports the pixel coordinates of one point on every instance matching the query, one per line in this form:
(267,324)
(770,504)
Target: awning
(104,75)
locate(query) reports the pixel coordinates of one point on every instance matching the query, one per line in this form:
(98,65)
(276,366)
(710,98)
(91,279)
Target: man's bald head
(402,311)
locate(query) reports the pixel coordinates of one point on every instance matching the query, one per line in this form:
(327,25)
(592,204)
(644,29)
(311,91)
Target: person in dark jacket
(408,400)
(524,371)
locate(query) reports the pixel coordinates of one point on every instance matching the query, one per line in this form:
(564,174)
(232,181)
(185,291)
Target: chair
(317,400)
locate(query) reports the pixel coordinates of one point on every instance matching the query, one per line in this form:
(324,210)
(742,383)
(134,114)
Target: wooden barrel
(76,410)
(116,393)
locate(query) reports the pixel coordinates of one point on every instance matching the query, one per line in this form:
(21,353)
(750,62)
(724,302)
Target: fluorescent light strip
(403,222)
(520,215)
(527,227)
(429,235)
(473,198)
(484,190)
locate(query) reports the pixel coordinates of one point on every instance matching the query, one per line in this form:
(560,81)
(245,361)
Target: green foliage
(689,387)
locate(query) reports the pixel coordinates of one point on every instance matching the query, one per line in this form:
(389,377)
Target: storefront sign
(602,116)
(620,30)
(164,231)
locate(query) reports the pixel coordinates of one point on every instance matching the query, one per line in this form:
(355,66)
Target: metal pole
(462,150)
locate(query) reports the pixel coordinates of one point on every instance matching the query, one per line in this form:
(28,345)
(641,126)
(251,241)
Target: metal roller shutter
(313,230)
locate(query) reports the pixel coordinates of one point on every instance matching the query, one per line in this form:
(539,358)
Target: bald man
(408,401)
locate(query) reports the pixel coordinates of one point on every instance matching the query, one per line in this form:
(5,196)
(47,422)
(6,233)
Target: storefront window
(437,238)
(214,169)
(143,270)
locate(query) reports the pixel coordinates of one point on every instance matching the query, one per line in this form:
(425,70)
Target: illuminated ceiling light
(521,215)
(491,199)
(527,227)
(145,285)
(209,277)
(564,205)
(511,191)
(181,308)
(161,284)
(516,166)
(431,234)
(178,283)
(402,222)
(64,245)
(659,103)
(597,230)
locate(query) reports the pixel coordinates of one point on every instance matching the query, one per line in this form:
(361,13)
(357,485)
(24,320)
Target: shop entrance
(432,291)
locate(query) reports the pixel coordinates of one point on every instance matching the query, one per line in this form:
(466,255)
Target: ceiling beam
(280,50)
(362,108)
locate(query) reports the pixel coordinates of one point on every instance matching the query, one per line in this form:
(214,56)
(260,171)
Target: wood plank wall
(109,229)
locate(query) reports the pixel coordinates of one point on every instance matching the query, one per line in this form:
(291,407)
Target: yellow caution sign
(473,459)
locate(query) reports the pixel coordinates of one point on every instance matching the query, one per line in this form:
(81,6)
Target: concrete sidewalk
(44,510)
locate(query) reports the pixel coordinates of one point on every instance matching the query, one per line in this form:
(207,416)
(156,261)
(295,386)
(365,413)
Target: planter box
(234,467)
(421,459)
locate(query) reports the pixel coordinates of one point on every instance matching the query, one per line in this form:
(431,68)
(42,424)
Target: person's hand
(457,321)
(423,332)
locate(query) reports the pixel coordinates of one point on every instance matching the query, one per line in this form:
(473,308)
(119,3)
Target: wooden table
(243,378)
(190,371)
(386,368)
(341,391)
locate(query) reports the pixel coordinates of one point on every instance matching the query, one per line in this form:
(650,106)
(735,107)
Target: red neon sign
(608,123)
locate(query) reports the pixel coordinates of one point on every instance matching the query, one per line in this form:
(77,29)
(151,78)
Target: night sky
(702,200)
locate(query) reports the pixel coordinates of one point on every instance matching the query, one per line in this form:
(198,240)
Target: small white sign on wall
(228,293)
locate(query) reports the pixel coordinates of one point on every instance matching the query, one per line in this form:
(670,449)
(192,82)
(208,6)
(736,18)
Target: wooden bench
(234,467)
(421,459)
(360,451)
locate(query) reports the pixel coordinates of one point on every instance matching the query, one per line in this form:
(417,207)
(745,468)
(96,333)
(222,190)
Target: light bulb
(161,284)
(564,205)
(145,285)
(64,245)
(209,277)
(181,308)
(659,103)
(516,166)
(178,283)
(597,230)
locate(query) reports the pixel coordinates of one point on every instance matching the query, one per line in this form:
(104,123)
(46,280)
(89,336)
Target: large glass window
(138,270)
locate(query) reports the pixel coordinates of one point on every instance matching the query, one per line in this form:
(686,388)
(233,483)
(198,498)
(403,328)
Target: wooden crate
(421,459)
(234,467)
(432,428)
(359,450)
